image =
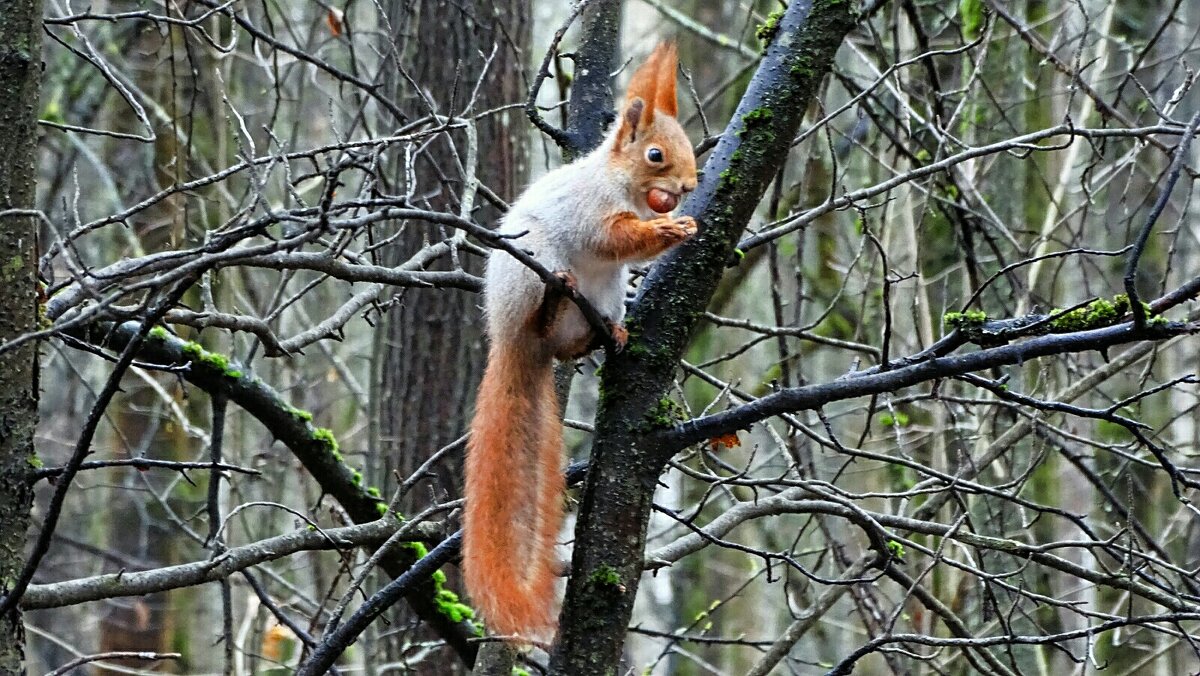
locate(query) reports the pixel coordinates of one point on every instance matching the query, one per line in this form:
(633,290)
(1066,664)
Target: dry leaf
(729,440)
(334,18)
(273,642)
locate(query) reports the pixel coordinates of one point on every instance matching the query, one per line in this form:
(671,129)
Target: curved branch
(789,504)
(336,642)
(114,585)
(846,666)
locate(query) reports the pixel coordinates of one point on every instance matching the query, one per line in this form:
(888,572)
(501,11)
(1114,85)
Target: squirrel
(585,221)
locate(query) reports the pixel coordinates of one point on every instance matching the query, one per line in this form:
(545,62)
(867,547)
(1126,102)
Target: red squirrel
(586,221)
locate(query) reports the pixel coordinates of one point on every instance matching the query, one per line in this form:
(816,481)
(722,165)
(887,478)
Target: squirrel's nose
(689,185)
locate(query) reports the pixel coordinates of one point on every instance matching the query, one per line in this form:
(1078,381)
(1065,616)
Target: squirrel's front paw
(675,230)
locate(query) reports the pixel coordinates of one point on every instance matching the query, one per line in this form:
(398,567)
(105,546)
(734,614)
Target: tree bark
(591,104)
(430,355)
(20,78)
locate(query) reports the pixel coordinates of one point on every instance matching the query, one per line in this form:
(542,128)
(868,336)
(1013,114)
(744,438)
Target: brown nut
(661,201)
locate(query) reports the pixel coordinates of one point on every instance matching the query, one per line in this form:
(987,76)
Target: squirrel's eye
(655,155)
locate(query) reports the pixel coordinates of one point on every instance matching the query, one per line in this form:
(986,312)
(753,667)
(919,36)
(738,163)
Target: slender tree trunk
(431,352)
(144,625)
(20,71)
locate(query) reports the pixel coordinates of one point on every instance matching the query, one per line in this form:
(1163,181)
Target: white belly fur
(604,287)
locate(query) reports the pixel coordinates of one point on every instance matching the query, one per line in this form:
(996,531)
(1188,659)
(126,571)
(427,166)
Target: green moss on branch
(318,450)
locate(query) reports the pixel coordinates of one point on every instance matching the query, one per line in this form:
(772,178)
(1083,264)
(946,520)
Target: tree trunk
(431,352)
(20,71)
(610,534)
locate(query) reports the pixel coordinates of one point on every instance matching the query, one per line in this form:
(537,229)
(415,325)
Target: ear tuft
(644,84)
(652,88)
(664,93)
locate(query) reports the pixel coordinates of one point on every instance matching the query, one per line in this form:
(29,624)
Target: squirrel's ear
(631,118)
(667,62)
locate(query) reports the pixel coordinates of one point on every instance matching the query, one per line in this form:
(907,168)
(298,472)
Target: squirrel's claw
(568,280)
(674,230)
(620,336)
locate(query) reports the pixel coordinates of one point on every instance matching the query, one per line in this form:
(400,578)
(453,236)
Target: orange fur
(647,120)
(667,64)
(629,237)
(654,84)
(509,535)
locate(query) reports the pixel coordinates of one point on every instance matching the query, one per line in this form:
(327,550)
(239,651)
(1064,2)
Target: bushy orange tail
(514,491)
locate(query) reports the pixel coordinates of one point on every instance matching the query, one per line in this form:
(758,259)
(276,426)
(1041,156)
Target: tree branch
(335,643)
(812,397)
(115,585)
(316,449)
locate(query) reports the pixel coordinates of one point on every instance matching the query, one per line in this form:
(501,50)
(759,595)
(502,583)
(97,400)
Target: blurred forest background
(266,177)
